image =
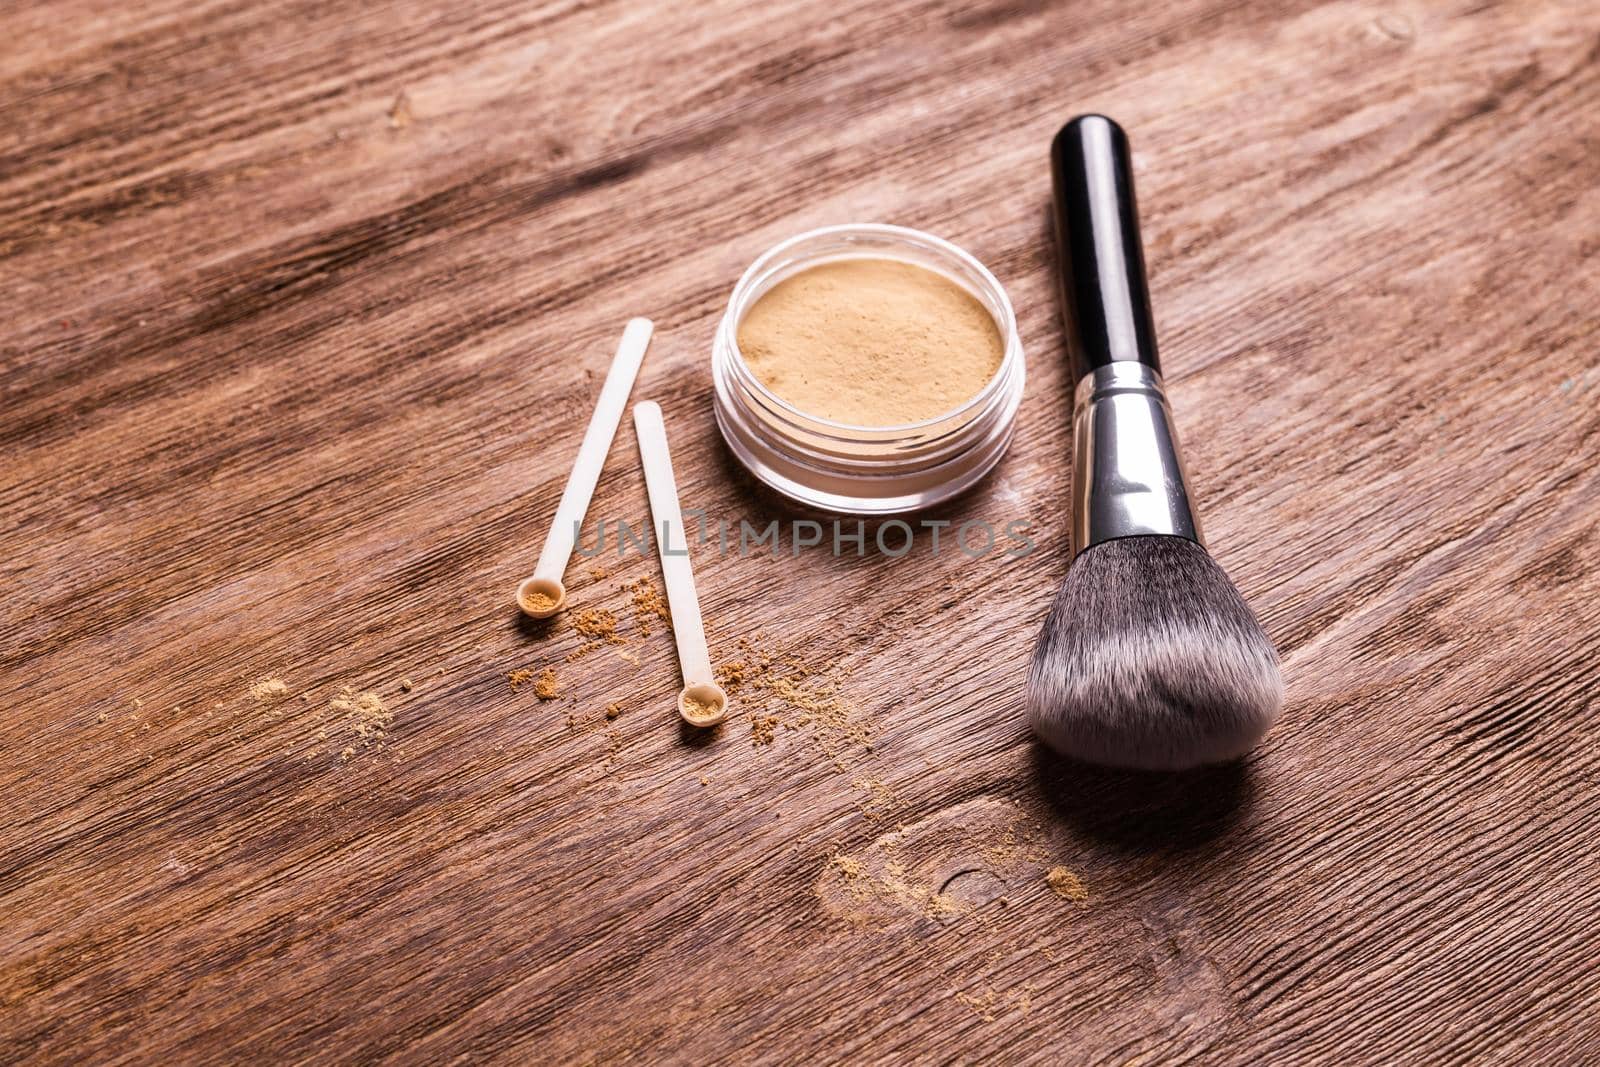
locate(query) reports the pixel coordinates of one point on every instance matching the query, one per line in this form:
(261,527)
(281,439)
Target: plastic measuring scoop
(702,702)
(542,595)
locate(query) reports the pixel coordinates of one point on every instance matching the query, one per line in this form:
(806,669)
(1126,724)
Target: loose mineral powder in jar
(867,369)
(871,342)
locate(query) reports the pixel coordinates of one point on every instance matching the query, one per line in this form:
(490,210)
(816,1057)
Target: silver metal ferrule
(1127,470)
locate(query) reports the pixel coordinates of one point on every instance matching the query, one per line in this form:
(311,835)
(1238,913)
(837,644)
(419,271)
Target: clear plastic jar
(864,470)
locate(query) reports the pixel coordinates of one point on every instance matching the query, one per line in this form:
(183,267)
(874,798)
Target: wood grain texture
(305,306)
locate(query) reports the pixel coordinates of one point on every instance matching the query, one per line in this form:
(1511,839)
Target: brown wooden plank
(305,307)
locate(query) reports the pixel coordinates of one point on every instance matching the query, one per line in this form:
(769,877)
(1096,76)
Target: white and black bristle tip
(1151,659)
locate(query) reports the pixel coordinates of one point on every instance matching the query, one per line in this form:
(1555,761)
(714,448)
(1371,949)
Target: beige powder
(1067,885)
(700,710)
(871,342)
(541,602)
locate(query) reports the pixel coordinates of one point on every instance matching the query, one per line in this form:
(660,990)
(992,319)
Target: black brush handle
(1103,292)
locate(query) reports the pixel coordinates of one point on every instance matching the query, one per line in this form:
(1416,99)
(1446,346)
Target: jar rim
(1006,321)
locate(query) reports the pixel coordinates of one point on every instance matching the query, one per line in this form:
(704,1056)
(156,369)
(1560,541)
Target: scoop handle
(688,628)
(1104,296)
(592,452)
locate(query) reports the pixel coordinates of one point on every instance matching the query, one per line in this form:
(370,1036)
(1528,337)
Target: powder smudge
(985,1006)
(948,884)
(880,798)
(955,862)
(597,624)
(545,684)
(269,689)
(763,729)
(366,716)
(648,605)
(884,878)
(1008,851)
(1067,885)
(783,691)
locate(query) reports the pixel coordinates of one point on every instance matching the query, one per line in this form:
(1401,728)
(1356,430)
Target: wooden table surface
(305,305)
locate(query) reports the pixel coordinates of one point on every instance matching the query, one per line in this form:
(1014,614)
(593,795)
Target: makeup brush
(1149,658)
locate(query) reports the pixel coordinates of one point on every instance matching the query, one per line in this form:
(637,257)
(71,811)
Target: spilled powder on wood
(268,689)
(1008,851)
(880,798)
(984,1007)
(364,713)
(649,605)
(990,1003)
(887,881)
(545,684)
(926,867)
(1024,998)
(1067,885)
(597,624)
(947,882)
(782,691)
(763,728)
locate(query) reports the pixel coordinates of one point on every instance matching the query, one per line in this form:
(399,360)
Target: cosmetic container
(865,470)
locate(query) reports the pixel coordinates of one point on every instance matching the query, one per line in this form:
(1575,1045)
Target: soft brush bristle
(1151,659)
